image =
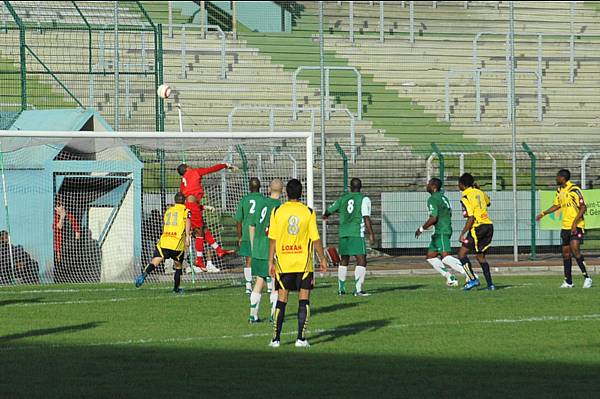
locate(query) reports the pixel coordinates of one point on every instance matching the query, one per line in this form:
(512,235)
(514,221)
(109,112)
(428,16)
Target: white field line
(143,341)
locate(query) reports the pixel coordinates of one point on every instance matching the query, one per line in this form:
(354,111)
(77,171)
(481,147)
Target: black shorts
(479,238)
(166,253)
(566,237)
(294,281)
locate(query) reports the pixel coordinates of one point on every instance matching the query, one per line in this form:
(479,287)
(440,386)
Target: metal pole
(351,21)
(514,132)
(477,74)
(323,164)
(447,97)
(381,20)
(116,65)
(171,19)
(411,15)
(234,18)
(183,70)
(572,59)
(584,170)
(203,18)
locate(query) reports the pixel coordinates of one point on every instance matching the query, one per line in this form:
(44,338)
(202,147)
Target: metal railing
(461,167)
(327,84)
(477,82)
(540,44)
(273,109)
(184,48)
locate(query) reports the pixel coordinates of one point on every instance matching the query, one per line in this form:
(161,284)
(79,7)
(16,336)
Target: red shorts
(196,210)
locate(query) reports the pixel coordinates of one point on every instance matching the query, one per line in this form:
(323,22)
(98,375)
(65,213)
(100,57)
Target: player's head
(294,189)
(276,186)
(179,198)
(465,181)
(355,185)
(434,185)
(254,185)
(563,176)
(181,169)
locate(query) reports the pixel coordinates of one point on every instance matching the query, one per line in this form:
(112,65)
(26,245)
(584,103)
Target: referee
(293,236)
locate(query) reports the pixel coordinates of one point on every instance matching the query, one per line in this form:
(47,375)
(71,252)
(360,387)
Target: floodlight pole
(513,122)
(322,68)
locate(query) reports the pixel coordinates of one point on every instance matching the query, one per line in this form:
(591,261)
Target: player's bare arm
(239,229)
(369,227)
(430,222)
(548,211)
(272,244)
(320,253)
(467,228)
(582,211)
(252,233)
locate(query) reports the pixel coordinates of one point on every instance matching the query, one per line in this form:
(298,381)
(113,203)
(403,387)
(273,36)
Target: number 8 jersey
(352,207)
(294,229)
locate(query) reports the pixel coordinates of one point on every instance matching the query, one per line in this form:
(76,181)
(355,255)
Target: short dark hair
(181,169)
(467,180)
(437,183)
(294,189)
(355,184)
(179,198)
(564,173)
(254,185)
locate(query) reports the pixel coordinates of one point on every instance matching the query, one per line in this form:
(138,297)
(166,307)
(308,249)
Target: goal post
(88,206)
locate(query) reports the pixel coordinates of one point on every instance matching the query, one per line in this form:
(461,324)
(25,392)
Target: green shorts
(440,243)
(260,268)
(352,246)
(245,249)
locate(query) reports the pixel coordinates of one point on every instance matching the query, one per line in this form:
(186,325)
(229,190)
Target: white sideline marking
(142,341)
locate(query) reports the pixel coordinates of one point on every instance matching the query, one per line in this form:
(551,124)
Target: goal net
(86,207)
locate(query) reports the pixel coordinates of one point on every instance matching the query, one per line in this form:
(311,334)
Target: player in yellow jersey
(478,231)
(174,240)
(293,235)
(569,199)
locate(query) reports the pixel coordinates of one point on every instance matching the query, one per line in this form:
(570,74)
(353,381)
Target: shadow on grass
(348,330)
(9,302)
(382,290)
(333,308)
(319,372)
(49,331)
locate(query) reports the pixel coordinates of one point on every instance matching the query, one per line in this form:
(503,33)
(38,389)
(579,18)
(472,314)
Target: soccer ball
(163,91)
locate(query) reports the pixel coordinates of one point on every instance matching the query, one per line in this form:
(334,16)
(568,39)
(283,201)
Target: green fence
(69,54)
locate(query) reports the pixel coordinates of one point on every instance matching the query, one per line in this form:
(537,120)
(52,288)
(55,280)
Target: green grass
(413,338)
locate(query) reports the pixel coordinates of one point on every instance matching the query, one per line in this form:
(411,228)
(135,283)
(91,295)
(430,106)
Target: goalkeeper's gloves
(209,208)
(232,167)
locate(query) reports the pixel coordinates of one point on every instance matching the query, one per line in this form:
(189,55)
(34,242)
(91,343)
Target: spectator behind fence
(18,265)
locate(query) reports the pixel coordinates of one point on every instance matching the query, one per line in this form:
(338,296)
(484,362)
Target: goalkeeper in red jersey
(191,187)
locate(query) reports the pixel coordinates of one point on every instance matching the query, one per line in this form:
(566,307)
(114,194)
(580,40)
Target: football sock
(468,268)
(567,264)
(486,273)
(254,304)
(359,277)
(342,274)
(454,264)
(177,279)
(273,300)
(212,242)
(439,266)
(278,320)
(303,316)
(148,269)
(248,276)
(199,244)
(270,284)
(581,264)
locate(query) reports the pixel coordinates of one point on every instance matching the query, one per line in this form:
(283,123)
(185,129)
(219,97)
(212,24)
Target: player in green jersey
(259,240)
(246,209)
(440,216)
(354,209)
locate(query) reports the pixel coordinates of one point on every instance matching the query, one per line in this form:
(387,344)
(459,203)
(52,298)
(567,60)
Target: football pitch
(412,338)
